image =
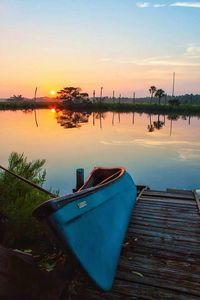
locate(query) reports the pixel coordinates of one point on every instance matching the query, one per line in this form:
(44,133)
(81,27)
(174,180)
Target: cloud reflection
(189,154)
(149,143)
(155,143)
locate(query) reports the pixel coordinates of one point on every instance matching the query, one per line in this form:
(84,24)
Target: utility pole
(133,97)
(35,94)
(101,93)
(94,96)
(120,98)
(113,96)
(173,85)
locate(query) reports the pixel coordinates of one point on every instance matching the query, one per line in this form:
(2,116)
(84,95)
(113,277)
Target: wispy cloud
(193,51)
(159,5)
(105,59)
(142,4)
(182,61)
(187,4)
(169,63)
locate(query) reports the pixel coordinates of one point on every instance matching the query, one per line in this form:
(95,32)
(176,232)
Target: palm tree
(17,98)
(158,124)
(159,94)
(152,91)
(150,127)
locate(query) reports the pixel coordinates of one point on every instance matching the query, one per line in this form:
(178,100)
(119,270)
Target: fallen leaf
(137,273)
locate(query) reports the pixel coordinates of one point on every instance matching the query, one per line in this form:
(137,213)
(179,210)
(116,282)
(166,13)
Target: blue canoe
(93,221)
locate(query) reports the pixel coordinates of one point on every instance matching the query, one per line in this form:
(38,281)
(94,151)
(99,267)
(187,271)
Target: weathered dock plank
(161,255)
(169,195)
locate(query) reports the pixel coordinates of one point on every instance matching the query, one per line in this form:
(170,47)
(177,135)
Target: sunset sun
(52,93)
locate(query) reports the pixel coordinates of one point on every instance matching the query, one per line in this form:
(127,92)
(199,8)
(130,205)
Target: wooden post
(197,200)
(113,119)
(133,118)
(119,117)
(100,117)
(171,127)
(134,98)
(93,117)
(101,94)
(35,114)
(113,96)
(120,98)
(35,94)
(79,178)
(173,85)
(93,96)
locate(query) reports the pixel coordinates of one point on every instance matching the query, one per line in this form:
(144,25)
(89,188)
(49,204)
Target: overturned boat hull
(93,222)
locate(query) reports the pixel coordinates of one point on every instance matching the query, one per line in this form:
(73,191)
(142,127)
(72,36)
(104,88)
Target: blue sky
(122,45)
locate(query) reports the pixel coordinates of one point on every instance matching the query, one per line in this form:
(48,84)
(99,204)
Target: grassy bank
(17,201)
(140,107)
(119,107)
(25,105)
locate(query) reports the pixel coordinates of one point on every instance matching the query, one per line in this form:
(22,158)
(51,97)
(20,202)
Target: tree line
(74,95)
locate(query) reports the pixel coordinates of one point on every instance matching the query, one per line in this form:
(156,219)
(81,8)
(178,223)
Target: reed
(105,106)
(18,200)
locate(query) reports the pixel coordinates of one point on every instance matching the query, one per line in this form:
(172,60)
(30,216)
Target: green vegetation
(107,106)
(152,91)
(174,102)
(72,95)
(18,200)
(159,94)
(17,105)
(137,107)
(16,98)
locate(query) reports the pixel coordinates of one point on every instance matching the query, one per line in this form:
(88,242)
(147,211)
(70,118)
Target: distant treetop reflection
(70,119)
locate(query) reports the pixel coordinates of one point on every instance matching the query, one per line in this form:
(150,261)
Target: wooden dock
(161,254)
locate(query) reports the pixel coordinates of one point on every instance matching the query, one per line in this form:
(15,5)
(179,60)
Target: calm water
(156,150)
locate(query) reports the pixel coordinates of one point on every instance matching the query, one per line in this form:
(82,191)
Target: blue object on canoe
(93,221)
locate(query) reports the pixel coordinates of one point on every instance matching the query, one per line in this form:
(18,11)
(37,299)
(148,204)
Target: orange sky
(115,44)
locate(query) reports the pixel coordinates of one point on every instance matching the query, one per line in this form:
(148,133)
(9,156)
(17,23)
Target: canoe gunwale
(52,205)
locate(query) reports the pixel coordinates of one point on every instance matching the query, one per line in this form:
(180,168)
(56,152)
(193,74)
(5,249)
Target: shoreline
(93,107)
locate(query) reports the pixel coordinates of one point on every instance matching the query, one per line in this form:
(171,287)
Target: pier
(161,254)
(160,258)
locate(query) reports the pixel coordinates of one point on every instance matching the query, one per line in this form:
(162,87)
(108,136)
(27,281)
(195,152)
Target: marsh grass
(18,200)
(105,106)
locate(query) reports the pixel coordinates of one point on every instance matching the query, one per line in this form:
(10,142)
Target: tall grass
(106,106)
(18,200)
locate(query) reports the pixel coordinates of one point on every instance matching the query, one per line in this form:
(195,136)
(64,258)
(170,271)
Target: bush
(18,200)
(174,102)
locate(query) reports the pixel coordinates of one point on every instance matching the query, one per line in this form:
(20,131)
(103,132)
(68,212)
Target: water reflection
(100,117)
(30,111)
(118,117)
(172,118)
(158,124)
(158,150)
(70,119)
